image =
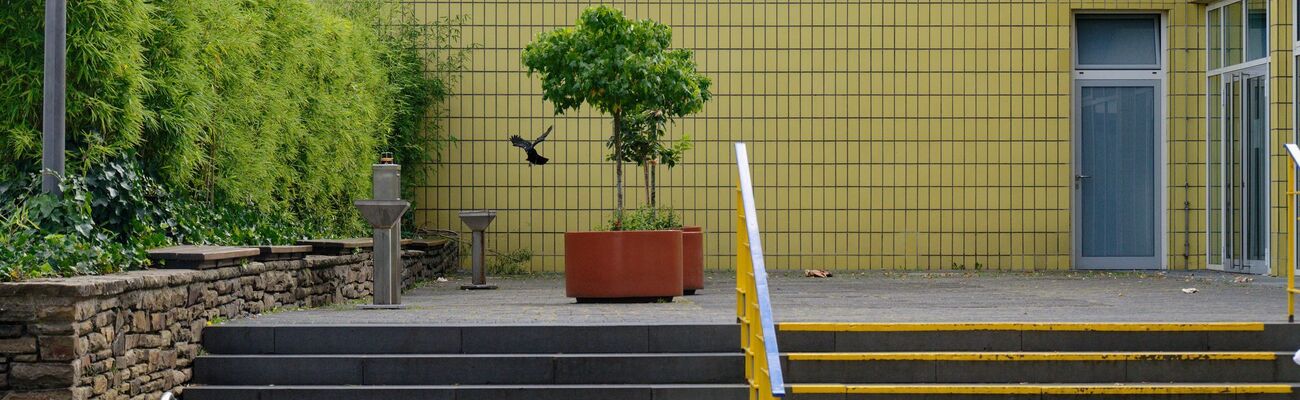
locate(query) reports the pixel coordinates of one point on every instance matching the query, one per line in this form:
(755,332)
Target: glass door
(1243,159)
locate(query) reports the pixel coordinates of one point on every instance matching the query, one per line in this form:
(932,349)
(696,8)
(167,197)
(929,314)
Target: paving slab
(959,296)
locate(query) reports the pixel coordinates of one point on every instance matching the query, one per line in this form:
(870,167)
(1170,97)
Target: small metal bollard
(478,222)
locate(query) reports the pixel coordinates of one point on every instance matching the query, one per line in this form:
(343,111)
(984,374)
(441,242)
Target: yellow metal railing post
(1290,243)
(742,259)
(744,268)
(1294,152)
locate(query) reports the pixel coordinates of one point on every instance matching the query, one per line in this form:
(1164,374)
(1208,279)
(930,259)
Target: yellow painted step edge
(1084,389)
(1020,326)
(1036,356)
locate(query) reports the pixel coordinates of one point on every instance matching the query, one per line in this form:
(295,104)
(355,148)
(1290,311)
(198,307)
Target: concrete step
(429,339)
(1041,391)
(1077,337)
(470,392)
(1042,367)
(477,369)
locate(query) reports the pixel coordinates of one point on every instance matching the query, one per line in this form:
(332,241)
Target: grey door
(1116,174)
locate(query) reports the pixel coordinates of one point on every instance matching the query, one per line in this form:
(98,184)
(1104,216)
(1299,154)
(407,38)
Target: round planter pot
(623,265)
(692,259)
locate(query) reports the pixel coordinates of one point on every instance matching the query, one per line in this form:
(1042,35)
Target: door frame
(1259,267)
(1159,74)
(1140,79)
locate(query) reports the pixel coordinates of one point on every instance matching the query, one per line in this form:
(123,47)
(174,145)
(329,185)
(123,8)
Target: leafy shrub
(106,220)
(646,218)
(514,262)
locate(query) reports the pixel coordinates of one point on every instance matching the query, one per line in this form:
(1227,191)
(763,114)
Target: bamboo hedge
(275,105)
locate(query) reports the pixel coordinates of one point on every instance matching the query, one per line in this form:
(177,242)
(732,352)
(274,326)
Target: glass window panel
(1119,40)
(1232,19)
(1215,179)
(1257,168)
(1256,29)
(1215,39)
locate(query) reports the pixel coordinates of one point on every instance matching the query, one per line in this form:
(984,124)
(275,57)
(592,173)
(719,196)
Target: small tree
(620,67)
(643,146)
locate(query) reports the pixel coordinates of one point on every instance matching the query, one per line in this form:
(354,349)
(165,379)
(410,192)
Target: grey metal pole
(54,106)
(383,259)
(480,276)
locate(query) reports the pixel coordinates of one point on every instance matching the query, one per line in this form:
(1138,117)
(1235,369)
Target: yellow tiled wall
(884,135)
(1281,120)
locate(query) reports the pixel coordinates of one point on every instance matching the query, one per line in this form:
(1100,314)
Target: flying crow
(531,148)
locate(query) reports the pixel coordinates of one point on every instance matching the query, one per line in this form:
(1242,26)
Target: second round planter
(692,259)
(623,265)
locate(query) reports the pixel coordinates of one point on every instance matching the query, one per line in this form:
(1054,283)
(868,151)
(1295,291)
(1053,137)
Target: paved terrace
(858,297)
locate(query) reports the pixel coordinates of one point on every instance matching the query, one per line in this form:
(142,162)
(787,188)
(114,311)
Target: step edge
(1021,326)
(474,355)
(1050,389)
(540,386)
(1011,356)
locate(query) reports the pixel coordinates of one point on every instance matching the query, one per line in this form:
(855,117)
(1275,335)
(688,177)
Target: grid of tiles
(884,135)
(1281,123)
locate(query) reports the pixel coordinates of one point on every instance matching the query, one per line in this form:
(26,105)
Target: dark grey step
(512,369)
(1147,369)
(422,339)
(1274,337)
(538,392)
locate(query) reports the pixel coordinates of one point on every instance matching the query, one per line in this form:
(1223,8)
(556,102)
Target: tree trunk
(654,184)
(618,168)
(649,197)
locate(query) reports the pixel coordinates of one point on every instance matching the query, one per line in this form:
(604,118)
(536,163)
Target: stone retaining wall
(133,335)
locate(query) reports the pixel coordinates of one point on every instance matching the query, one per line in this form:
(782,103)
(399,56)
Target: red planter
(692,259)
(623,265)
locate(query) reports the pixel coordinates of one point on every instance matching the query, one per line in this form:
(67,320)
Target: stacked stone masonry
(134,335)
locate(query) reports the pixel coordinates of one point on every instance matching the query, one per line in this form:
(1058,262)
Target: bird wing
(519,142)
(542,138)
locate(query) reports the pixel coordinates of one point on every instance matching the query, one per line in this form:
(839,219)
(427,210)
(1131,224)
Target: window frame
(1156,18)
(1245,37)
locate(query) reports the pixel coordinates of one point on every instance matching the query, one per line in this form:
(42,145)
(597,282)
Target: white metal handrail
(753,302)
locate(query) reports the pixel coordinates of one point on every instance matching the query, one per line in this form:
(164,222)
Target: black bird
(531,147)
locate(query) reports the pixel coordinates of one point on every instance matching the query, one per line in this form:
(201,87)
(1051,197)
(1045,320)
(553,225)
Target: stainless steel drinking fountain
(386,190)
(382,216)
(478,221)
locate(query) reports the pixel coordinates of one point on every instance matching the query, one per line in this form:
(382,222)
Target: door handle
(1082,177)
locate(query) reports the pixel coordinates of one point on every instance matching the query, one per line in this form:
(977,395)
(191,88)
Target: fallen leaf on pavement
(817,273)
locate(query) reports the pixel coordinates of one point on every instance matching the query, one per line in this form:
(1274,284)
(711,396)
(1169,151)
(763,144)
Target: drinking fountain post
(383,216)
(386,179)
(478,221)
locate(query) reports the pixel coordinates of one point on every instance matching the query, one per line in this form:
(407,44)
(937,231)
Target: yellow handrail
(753,305)
(1291,193)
